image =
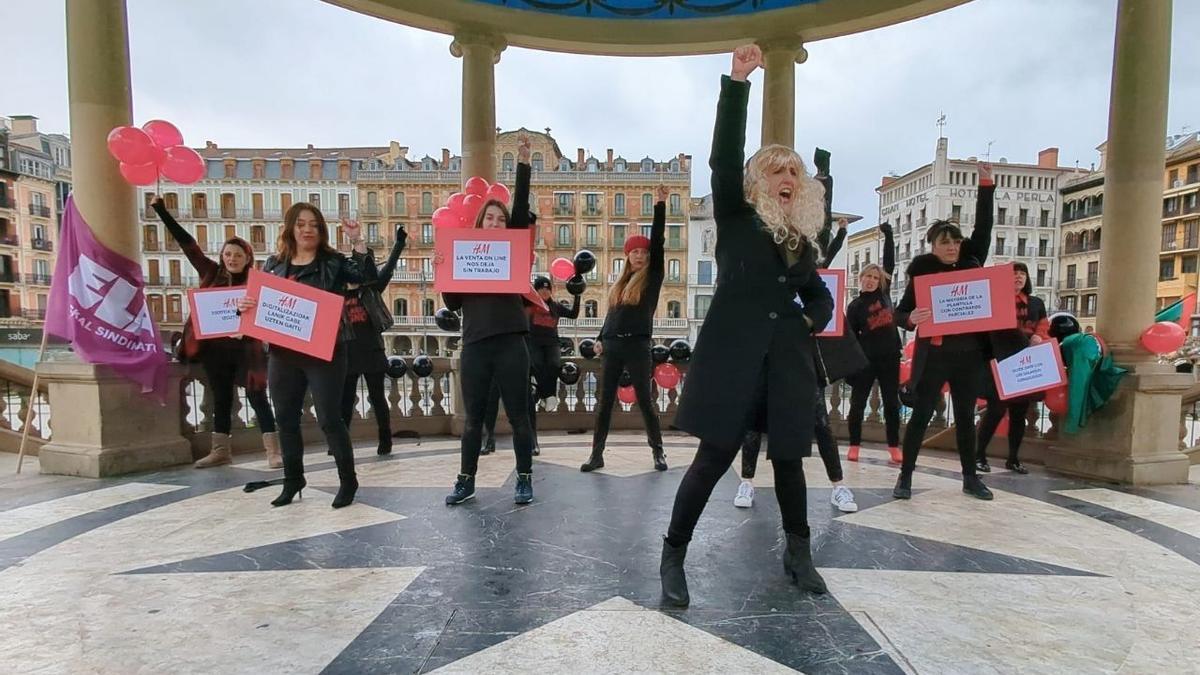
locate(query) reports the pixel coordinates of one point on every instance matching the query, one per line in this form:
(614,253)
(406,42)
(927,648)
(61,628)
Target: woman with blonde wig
(624,340)
(753,364)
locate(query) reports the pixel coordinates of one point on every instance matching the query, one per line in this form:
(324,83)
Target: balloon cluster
(572,271)
(156,150)
(463,207)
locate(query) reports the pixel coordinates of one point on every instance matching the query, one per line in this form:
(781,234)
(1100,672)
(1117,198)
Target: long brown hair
(223,274)
(483,209)
(630,286)
(285,247)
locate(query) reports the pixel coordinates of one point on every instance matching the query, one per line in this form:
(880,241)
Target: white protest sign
(1029,371)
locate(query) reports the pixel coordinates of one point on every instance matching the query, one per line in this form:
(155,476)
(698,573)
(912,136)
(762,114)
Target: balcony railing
(39,210)
(568,210)
(371,210)
(592,213)
(702,280)
(151,245)
(10,278)
(43,245)
(542,177)
(38,279)
(10,240)
(176,282)
(34,314)
(4,202)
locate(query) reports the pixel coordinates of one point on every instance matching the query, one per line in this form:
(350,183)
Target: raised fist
(745,60)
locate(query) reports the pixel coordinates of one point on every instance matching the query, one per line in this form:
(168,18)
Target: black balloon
(659,354)
(396,367)
(566,347)
(587,348)
(1063,324)
(422,366)
(447,320)
(569,373)
(681,350)
(585,261)
(576,285)
(626,380)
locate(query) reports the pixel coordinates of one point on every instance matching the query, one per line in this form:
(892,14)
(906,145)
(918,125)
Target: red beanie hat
(635,242)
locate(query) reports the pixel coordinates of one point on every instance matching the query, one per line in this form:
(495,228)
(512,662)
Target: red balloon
(476,186)
(456,201)
(910,349)
(626,395)
(130,145)
(139,174)
(183,165)
(499,192)
(1002,429)
(470,208)
(163,133)
(562,269)
(666,375)
(905,371)
(1163,337)
(446,217)
(1056,400)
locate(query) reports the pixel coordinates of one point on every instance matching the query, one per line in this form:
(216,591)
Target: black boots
(1016,467)
(524,491)
(973,486)
(347,479)
(596,461)
(797,564)
(292,488)
(903,489)
(670,569)
(293,475)
(464,489)
(660,459)
(982,465)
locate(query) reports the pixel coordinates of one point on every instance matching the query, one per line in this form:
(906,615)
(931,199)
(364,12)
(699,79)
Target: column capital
(468,38)
(787,43)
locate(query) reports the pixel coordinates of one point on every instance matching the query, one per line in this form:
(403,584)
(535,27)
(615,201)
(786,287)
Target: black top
(870,315)
(637,320)
(488,315)
(543,324)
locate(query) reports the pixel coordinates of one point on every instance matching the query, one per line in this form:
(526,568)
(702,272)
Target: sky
(1022,75)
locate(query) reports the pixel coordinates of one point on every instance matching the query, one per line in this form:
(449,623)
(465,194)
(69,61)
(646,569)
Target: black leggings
(620,354)
(505,360)
(962,370)
(710,464)
(290,375)
(1017,410)
(887,372)
(221,366)
(544,363)
(376,394)
(826,444)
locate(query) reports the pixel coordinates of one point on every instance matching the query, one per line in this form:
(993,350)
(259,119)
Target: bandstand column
(780,56)
(1135,437)
(480,52)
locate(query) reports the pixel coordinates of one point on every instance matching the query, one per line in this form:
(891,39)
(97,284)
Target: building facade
(862,248)
(1180,251)
(1026,218)
(1078,283)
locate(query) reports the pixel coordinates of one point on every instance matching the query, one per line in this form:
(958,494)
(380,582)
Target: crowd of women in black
(759,366)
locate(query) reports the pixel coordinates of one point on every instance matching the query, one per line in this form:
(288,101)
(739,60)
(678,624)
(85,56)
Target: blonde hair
(804,219)
(884,278)
(629,287)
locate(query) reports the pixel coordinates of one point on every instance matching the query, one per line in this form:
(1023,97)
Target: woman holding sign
(625,337)
(304,255)
(493,332)
(753,364)
(228,362)
(959,359)
(1033,327)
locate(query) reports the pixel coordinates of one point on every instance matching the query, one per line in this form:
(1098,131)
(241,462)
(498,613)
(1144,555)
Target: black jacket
(638,320)
(543,326)
(753,362)
(870,316)
(331,272)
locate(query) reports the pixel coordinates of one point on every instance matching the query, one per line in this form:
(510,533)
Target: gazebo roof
(647,27)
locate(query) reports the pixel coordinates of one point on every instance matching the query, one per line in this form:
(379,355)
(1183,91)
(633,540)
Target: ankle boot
(464,489)
(293,475)
(220,454)
(797,563)
(973,486)
(271,446)
(596,461)
(292,488)
(903,489)
(895,455)
(852,454)
(524,491)
(347,478)
(660,459)
(670,569)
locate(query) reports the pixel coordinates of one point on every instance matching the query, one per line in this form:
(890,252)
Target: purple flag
(97,301)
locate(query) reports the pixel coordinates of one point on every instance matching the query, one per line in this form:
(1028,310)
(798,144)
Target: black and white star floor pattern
(182,571)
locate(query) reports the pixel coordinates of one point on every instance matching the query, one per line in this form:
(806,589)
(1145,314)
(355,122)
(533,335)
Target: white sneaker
(745,495)
(843,499)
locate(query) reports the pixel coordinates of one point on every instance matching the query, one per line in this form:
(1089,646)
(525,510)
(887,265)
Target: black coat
(753,362)
(331,272)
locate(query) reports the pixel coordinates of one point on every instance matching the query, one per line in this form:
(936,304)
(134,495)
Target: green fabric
(1092,379)
(1172,313)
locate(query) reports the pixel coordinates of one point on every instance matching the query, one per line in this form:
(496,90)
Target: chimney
(24,124)
(310,146)
(209,145)
(886,181)
(608,165)
(445,158)
(1048,158)
(579,154)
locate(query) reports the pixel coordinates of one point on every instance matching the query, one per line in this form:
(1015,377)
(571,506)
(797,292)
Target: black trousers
(826,444)
(376,394)
(221,366)
(544,364)
(290,375)
(1016,409)
(503,359)
(887,373)
(621,354)
(963,371)
(710,464)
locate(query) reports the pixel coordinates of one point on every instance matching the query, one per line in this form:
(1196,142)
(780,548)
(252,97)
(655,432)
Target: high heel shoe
(291,489)
(345,493)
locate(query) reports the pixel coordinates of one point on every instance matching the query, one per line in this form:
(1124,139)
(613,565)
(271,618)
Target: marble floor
(184,572)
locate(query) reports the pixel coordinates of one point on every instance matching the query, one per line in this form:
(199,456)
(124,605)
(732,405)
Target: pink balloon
(445,217)
(476,186)
(130,145)
(499,192)
(470,208)
(666,375)
(1056,400)
(139,174)
(1163,337)
(163,133)
(626,395)
(562,269)
(456,201)
(183,165)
